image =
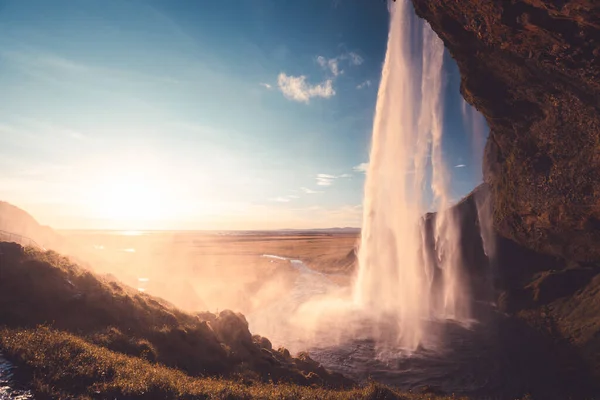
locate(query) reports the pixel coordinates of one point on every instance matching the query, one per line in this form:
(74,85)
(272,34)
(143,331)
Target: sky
(245,114)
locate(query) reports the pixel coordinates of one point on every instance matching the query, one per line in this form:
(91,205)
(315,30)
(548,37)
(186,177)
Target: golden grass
(327,253)
(65,366)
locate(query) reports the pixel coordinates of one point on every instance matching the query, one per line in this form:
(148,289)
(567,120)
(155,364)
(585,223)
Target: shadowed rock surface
(551,302)
(532,68)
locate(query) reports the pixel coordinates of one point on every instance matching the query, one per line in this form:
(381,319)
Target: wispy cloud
(365,84)
(354,58)
(328,179)
(266,85)
(281,199)
(333,64)
(362,167)
(325,179)
(296,88)
(310,191)
(460,166)
(55,67)
(284,199)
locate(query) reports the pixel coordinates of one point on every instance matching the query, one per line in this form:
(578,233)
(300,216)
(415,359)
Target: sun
(130,193)
(133,199)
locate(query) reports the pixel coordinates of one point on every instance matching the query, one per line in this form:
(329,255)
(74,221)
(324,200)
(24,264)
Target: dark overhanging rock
(532,68)
(495,268)
(544,296)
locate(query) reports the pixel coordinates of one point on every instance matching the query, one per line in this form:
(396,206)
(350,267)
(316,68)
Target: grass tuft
(65,366)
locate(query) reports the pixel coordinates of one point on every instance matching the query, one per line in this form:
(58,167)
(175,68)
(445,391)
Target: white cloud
(460,166)
(328,179)
(296,88)
(266,85)
(325,179)
(334,67)
(365,84)
(309,191)
(362,167)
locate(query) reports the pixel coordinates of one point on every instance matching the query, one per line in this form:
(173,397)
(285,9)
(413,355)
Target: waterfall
(406,175)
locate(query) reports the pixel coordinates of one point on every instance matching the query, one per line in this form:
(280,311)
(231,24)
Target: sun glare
(138,200)
(132,192)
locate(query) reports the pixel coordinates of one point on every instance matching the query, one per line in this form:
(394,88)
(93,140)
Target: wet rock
(232,329)
(262,342)
(284,353)
(313,379)
(305,363)
(206,316)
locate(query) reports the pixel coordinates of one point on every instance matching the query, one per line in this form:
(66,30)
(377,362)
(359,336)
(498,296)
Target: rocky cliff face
(554,300)
(532,67)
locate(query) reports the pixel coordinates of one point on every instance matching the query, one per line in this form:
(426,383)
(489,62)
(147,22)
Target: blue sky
(141,114)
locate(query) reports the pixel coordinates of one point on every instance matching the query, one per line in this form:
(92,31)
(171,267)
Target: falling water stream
(394,279)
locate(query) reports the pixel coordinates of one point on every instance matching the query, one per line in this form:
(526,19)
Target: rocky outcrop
(532,68)
(558,298)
